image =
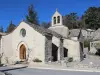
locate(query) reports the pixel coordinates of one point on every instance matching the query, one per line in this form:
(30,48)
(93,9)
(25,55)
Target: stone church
(29,41)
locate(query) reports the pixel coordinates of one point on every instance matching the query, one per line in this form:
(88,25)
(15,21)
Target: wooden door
(22,52)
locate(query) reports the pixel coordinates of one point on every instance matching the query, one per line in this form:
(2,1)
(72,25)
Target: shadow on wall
(98,52)
(54,52)
(81,45)
(65,52)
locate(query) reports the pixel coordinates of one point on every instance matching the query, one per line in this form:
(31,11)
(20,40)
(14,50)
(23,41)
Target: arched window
(54,20)
(58,19)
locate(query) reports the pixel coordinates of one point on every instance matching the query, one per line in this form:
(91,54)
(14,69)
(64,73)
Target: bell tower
(57,19)
(57,24)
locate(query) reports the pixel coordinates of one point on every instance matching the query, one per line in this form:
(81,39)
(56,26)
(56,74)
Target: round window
(23,32)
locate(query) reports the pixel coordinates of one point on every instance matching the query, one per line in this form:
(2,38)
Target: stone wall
(60,50)
(48,48)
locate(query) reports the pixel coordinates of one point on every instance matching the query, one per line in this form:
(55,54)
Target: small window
(54,20)
(23,32)
(58,19)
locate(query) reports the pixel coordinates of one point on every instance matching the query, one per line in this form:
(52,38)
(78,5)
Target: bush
(36,60)
(17,62)
(1,65)
(70,59)
(84,55)
(86,43)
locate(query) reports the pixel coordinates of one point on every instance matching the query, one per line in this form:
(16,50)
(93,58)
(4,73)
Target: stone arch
(22,43)
(22,52)
(58,19)
(54,20)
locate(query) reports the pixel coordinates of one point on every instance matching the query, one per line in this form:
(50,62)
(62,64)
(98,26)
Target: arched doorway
(22,52)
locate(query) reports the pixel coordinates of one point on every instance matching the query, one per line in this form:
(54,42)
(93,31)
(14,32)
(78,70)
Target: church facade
(29,41)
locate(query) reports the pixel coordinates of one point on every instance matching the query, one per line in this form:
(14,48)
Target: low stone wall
(87,66)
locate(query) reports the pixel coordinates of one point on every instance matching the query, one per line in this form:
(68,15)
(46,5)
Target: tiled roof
(1,33)
(96,35)
(74,32)
(44,31)
(39,29)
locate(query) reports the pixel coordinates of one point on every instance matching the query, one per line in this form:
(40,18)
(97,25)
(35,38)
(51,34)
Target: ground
(91,61)
(89,66)
(33,71)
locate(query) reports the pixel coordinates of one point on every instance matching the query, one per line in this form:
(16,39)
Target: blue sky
(16,10)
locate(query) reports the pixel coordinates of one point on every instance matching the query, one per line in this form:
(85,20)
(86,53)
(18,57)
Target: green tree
(45,24)
(10,28)
(91,17)
(81,23)
(70,20)
(1,28)
(32,15)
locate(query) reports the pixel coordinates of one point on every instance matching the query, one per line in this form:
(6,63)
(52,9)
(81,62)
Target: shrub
(1,65)
(70,59)
(17,62)
(6,58)
(36,60)
(86,43)
(84,55)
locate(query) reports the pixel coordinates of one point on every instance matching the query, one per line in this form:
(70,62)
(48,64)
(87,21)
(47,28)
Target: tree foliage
(32,15)
(92,17)
(11,27)
(1,28)
(70,20)
(45,24)
(89,20)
